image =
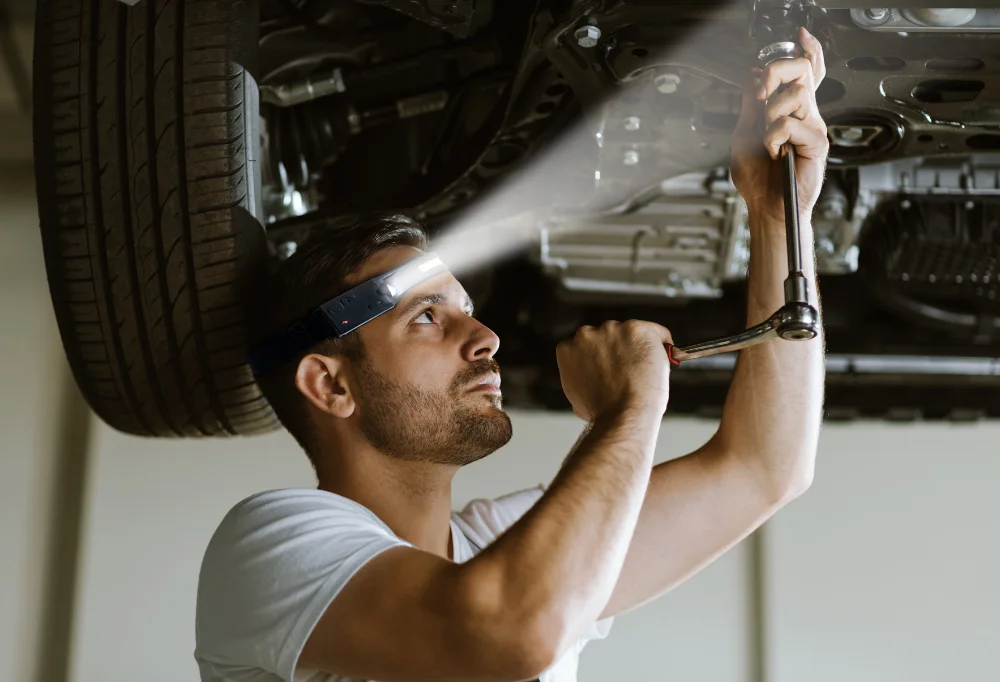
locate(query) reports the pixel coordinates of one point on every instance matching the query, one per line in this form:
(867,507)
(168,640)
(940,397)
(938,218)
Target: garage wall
(889,569)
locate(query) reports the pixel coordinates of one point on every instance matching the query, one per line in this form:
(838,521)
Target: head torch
(342,315)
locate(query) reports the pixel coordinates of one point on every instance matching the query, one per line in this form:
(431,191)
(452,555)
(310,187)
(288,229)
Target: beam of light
(581,175)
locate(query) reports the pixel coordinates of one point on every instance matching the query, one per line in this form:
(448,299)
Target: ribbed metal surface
(938,247)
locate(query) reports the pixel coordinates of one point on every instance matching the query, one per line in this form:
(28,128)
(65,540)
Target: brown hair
(314,274)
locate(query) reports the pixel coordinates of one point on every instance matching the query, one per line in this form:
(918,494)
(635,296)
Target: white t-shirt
(280,557)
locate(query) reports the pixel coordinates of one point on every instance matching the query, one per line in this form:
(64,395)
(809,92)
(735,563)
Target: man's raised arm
(763,453)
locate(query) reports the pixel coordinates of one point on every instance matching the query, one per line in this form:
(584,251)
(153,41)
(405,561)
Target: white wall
(889,569)
(153,505)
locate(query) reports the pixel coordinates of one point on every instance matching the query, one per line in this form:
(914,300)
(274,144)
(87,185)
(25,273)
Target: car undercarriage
(620,114)
(582,147)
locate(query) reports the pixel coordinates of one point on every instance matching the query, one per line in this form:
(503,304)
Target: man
(373,577)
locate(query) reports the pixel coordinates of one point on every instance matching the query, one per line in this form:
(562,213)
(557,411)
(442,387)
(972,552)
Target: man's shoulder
(280,519)
(288,503)
(273,565)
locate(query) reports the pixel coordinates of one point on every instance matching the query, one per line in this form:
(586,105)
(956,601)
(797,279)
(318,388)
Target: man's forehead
(393,257)
(383,261)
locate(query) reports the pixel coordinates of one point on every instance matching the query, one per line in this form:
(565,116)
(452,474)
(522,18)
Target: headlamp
(342,315)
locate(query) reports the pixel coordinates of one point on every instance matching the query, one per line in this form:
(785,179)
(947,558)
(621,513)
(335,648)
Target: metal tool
(797,320)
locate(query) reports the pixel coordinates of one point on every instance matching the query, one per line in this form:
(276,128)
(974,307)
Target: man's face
(428,386)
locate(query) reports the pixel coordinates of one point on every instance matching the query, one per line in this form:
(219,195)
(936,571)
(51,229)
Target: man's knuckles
(786,72)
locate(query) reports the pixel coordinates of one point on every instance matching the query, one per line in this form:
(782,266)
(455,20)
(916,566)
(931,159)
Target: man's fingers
(785,71)
(809,139)
(813,51)
(796,101)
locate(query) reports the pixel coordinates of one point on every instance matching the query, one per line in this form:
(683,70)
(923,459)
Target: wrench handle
(796,285)
(790,185)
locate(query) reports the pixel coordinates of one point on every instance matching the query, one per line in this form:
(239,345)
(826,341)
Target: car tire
(146,130)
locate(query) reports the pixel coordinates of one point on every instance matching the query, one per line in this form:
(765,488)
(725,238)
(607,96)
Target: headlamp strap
(345,313)
(298,337)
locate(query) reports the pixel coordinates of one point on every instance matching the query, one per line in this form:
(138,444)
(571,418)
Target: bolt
(831,207)
(667,82)
(632,123)
(905,204)
(587,36)
(969,205)
(631,157)
(877,14)
(852,134)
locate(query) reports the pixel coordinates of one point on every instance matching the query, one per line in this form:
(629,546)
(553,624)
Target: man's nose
(481,344)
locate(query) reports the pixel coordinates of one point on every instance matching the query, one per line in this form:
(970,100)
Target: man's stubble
(449,428)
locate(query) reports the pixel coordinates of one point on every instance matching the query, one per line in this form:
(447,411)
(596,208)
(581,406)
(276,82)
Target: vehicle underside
(602,130)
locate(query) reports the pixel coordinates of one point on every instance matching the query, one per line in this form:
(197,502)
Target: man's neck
(412,498)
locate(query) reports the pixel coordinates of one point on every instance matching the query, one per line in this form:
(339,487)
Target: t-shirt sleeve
(273,566)
(484,520)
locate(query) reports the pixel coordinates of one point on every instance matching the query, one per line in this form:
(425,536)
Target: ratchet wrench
(797,320)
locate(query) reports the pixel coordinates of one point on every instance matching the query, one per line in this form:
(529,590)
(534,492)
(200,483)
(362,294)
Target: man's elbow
(795,482)
(522,650)
(535,653)
(518,638)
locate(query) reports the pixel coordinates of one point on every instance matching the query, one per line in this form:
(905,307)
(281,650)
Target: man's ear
(323,381)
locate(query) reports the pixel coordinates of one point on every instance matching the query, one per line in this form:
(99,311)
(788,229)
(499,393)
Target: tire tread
(141,159)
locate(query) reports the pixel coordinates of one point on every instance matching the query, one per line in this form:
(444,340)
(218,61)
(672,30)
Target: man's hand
(768,120)
(614,367)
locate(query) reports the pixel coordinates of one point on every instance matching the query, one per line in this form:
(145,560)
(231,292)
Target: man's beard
(408,423)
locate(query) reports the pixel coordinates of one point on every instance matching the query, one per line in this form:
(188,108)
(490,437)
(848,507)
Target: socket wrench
(797,320)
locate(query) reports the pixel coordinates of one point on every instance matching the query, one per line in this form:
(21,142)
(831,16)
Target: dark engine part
(303,137)
(314,134)
(458,17)
(777,21)
(936,261)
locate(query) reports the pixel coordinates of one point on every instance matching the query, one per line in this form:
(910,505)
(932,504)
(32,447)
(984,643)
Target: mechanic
(372,576)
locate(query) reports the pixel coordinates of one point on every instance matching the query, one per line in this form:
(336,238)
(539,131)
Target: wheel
(145,134)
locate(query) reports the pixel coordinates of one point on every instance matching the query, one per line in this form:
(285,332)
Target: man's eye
(424,318)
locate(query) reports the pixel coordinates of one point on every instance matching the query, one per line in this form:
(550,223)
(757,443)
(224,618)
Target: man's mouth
(488,384)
